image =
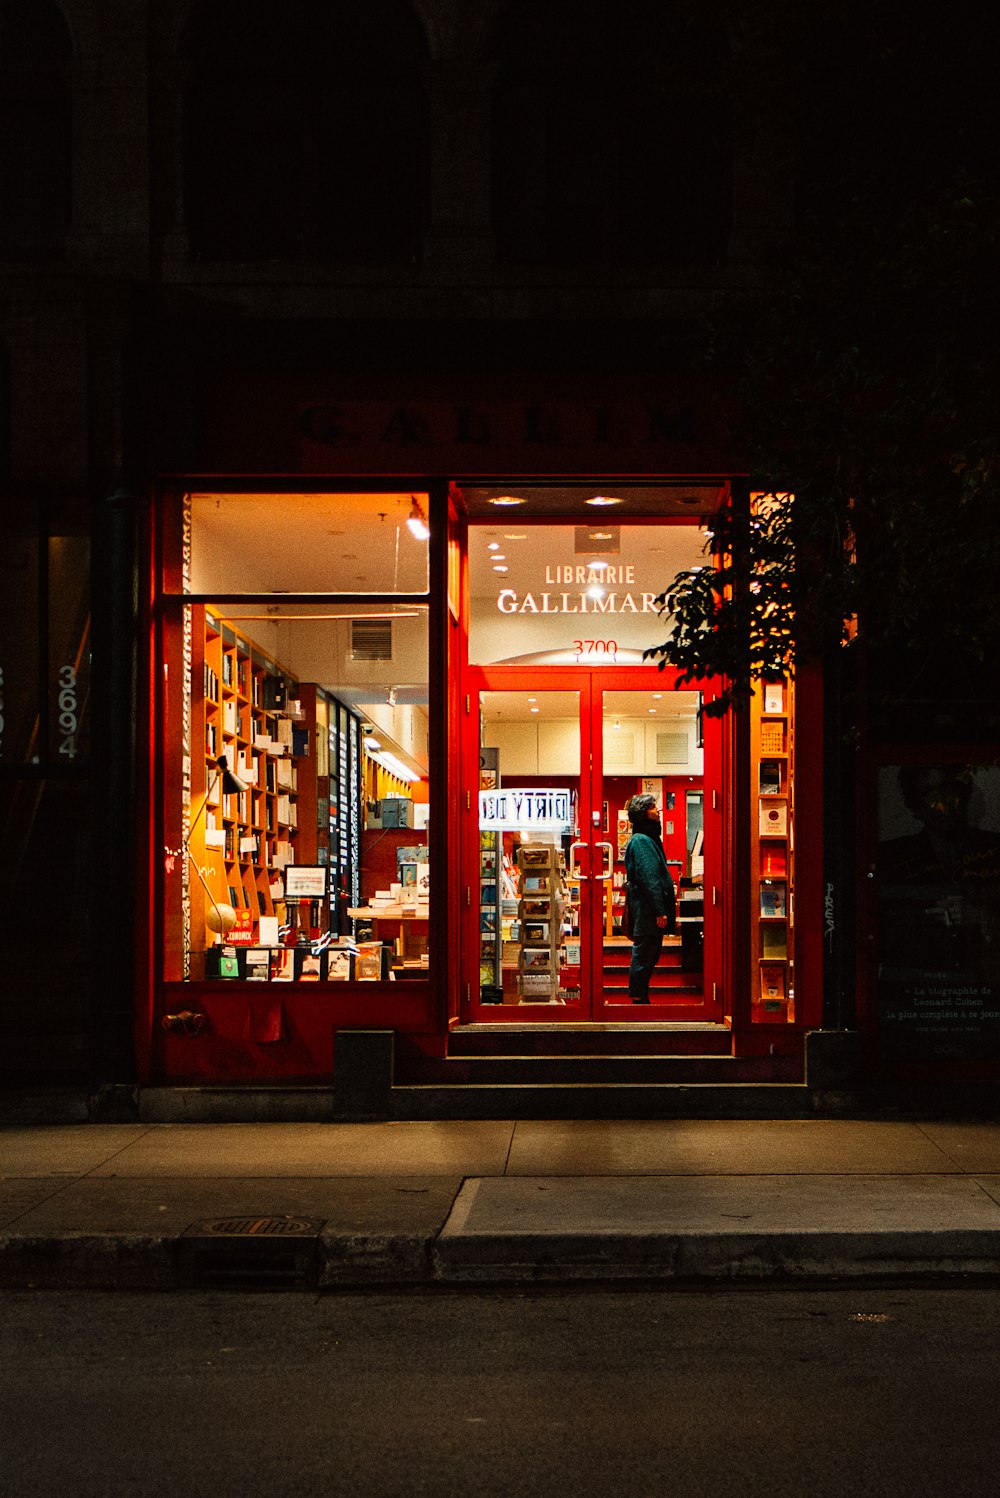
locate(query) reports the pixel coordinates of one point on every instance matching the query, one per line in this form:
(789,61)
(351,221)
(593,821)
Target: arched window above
(35,187)
(611,134)
(305,130)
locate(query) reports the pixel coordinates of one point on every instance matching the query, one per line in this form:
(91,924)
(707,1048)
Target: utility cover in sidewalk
(256,1227)
(269,1251)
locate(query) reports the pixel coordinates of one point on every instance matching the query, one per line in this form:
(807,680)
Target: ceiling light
(517,536)
(651,709)
(598,564)
(501,569)
(493,546)
(499,557)
(506,499)
(602,535)
(599,499)
(595,591)
(657,696)
(536,709)
(417,521)
(532,699)
(395,766)
(371,744)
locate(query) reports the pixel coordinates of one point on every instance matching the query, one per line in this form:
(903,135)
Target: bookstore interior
(298,743)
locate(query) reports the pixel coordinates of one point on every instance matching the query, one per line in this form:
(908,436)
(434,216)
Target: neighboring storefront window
(559,595)
(938,887)
(297,755)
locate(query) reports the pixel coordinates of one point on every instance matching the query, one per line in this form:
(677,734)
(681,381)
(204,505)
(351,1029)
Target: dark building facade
(353,422)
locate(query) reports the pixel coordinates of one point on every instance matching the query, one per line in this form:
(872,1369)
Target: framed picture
(536,959)
(305,881)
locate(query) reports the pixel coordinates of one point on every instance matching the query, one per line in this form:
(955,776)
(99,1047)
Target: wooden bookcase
(772,885)
(242,708)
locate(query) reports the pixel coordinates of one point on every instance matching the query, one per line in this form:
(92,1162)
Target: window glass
(572,594)
(308,543)
(297,836)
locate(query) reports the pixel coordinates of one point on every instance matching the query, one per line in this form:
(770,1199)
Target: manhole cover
(257,1227)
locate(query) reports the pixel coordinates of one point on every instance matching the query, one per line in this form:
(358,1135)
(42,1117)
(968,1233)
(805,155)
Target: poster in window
(937,877)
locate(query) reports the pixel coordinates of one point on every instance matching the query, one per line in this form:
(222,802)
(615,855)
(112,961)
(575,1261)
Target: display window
(329,667)
(297,756)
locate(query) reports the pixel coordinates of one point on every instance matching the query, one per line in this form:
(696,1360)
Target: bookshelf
(243,708)
(772,999)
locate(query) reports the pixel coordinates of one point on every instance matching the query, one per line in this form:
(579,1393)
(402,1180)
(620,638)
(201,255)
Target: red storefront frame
(225,1052)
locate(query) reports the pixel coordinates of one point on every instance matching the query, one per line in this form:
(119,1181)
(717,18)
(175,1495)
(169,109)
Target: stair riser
(620,1071)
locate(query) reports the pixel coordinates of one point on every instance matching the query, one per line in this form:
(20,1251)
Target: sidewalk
(323,1205)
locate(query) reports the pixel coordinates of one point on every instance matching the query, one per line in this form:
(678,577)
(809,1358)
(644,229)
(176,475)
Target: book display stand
(772,885)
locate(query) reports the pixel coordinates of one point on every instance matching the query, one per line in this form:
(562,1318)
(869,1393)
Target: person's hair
(638,807)
(912,780)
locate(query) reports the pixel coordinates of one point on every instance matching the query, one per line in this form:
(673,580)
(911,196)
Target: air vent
(371,639)
(671,748)
(619,748)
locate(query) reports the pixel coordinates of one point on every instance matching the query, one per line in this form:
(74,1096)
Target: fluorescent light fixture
(515,536)
(506,499)
(417,521)
(395,766)
(599,499)
(371,744)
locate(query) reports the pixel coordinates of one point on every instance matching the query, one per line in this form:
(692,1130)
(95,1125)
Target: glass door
(648,742)
(531,921)
(559,757)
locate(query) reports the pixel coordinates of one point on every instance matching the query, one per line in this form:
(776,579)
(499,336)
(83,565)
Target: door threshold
(485,1027)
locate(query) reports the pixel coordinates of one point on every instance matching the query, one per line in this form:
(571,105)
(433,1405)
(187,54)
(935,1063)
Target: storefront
(394,727)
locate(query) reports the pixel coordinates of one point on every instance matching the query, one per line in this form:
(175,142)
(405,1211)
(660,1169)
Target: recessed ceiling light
(532,699)
(499,557)
(536,709)
(598,564)
(506,499)
(601,536)
(493,546)
(595,591)
(501,569)
(516,536)
(599,499)
(657,696)
(651,709)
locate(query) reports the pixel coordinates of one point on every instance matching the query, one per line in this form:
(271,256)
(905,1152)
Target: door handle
(574,871)
(606,865)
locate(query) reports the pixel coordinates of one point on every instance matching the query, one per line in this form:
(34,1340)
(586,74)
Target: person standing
(652,902)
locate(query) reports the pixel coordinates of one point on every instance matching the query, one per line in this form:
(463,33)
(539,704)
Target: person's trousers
(647,943)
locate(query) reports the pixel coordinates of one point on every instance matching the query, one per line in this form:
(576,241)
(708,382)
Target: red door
(552,757)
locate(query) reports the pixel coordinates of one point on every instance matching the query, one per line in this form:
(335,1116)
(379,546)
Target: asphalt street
(880,1391)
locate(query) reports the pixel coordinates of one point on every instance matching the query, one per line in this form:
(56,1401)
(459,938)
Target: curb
(94,1261)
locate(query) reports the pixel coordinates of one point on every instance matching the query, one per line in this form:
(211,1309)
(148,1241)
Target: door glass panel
(529,820)
(651,743)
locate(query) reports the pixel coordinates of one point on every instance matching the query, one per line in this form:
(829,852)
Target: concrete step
(609,1070)
(644,1037)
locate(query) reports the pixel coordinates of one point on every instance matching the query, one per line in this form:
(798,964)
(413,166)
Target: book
(338,965)
(257,962)
(774,940)
(770,777)
(773,900)
(774,818)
